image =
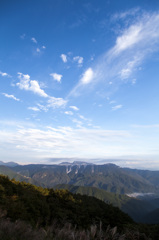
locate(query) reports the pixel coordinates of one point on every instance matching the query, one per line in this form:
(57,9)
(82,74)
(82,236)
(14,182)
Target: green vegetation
(37,205)
(108,177)
(108,183)
(31,212)
(135,208)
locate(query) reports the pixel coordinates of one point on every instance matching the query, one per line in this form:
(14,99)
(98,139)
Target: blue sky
(79,79)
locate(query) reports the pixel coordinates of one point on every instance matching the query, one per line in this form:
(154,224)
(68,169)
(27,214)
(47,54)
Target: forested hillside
(42,208)
(108,177)
(138,209)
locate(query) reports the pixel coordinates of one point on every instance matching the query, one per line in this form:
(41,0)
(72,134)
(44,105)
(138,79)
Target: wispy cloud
(23,36)
(116,107)
(74,108)
(63,140)
(52,102)
(56,102)
(30,85)
(82,117)
(125,14)
(78,123)
(126,72)
(38,50)
(146,126)
(4,74)
(119,64)
(56,76)
(11,96)
(79,60)
(69,113)
(68,141)
(42,107)
(64,58)
(87,77)
(34,40)
(35,109)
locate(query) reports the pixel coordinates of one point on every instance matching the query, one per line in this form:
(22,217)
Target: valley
(135,192)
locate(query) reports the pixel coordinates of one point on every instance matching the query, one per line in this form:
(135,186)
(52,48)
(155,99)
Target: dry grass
(22,231)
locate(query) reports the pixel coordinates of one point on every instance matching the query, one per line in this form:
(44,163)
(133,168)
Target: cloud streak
(119,64)
(116,107)
(68,141)
(64,58)
(34,40)
(11,96)
(86,79)
(63,140)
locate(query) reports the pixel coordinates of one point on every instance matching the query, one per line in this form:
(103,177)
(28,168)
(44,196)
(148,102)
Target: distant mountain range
(9,164)
(136,192)
(109,177)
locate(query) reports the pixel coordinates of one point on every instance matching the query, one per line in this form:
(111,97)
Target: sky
(79,79)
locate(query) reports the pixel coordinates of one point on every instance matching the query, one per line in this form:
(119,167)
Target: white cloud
(146,126)
(116,107)
(56,102)
(77,122)
(56,76)
(129,38)
(11,96)
(129,68)
(43,47)
(74,108)
(63,140)
(79,60)
(42,107)
(33,40)
(38,50)
(30,85)
(34,109)
(36,143)
(87,77)
(122,15)
(112,102)
(3,74)
(133,81)
(82,117)
(135,44)
(69,113)
(140,35)
(64,58)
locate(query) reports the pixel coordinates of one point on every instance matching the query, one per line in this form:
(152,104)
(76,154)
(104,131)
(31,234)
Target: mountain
(31,212)
(76,163)
(41,206)
(137,209)
(9,164)
(151,176)
(153,217)
(133,191)
(108,177)
(7,171)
